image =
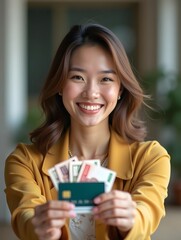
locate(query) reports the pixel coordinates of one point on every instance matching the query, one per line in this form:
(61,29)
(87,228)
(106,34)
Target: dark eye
(107,79)
(77,77)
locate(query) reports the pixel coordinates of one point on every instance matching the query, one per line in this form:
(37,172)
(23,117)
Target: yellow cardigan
(143,169)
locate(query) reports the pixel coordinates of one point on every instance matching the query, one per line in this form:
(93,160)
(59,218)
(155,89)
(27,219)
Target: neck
(89,143)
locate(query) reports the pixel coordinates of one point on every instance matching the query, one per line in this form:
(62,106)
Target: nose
(91,91)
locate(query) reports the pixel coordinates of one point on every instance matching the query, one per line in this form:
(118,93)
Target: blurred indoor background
(30,32)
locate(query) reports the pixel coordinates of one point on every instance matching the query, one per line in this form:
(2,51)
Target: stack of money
(81,181)
(73,170)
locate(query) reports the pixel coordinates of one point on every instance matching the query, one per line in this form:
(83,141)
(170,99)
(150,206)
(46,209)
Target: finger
(46,218)
(113,212)
(124,224)
(112,195)
(64,205)
(49,228)
(57,214)
(50,234)
(58,209)
(121,218)
(114,204)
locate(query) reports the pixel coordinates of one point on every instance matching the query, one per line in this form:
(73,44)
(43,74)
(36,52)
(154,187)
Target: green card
(81,194)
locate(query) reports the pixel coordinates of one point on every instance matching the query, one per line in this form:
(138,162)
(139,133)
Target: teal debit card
(81,193)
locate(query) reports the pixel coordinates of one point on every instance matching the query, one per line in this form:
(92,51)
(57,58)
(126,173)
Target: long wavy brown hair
(124,119)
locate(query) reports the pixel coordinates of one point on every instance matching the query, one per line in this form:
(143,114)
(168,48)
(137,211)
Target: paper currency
(62,169)
(93,173)
(54,177)
(74,168)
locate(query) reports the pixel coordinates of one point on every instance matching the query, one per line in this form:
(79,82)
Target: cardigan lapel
(120,159)
(57,153)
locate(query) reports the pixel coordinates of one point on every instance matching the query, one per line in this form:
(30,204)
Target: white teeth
(89,107)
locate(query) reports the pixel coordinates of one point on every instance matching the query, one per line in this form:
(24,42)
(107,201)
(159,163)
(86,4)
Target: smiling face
(91,91)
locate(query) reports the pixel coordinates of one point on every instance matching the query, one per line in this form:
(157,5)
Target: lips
(90,107)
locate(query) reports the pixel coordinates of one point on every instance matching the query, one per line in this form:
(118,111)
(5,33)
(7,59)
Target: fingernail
(72,214)
(72,206)
(97,200)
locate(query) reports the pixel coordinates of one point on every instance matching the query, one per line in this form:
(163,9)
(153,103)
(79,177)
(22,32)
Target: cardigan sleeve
(26,187)
(148,188)
(22,192)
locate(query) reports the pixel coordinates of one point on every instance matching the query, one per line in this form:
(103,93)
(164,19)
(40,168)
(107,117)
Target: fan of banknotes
(73,170)
(81,181)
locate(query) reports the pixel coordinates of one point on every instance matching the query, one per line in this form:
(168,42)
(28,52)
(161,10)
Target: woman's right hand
(50,217)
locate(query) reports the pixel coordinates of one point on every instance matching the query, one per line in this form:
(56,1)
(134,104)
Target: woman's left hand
(116,208)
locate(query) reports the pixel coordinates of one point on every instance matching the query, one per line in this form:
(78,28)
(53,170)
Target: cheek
(67,96)
(69,92)
(112,95)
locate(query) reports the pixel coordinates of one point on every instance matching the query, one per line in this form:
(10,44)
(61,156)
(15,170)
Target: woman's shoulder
(25,148)
(25,153)
(149,147)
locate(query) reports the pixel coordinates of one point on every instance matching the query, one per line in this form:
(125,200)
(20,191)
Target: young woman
(91,101)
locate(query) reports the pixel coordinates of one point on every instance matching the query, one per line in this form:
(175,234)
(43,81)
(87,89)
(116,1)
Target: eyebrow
(82,70)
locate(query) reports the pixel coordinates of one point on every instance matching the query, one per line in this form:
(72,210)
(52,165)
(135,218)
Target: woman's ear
(120,93)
